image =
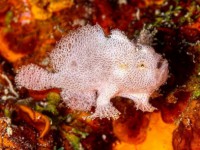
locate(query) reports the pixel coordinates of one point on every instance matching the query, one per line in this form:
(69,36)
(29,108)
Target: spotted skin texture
(91,68)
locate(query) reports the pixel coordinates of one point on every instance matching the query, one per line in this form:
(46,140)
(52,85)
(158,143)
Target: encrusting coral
(91,68)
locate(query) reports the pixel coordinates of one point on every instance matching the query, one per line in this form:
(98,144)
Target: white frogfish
(91,68)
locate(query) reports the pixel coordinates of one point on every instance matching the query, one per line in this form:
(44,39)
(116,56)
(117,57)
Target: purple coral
(91,69)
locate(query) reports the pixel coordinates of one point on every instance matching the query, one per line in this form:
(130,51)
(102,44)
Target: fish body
(91,68)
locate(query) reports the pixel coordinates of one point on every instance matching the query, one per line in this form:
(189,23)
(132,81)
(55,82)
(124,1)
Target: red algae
(158,136)
(186,136)
(175,104)
(132,126)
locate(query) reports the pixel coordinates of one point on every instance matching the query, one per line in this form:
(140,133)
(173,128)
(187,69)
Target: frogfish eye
(141,64)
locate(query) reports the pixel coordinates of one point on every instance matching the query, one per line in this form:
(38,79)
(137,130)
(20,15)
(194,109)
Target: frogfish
(91,68)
